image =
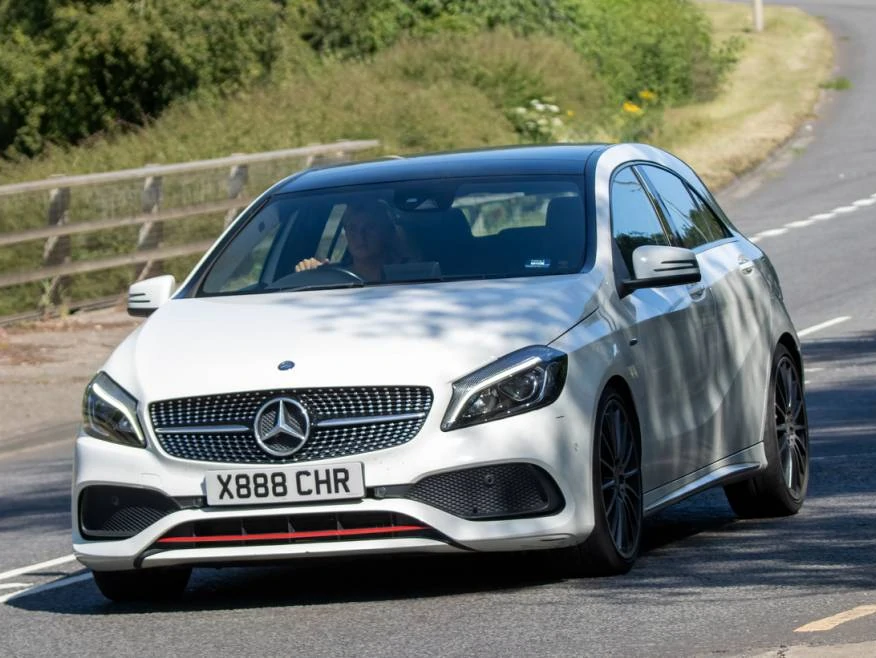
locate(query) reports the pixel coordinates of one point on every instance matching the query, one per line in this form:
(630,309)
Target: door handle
(746,266)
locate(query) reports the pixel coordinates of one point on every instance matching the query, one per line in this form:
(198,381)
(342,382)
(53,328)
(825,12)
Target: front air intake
(502,491)
(114,512)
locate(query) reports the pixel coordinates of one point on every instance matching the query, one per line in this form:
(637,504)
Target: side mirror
(146,296)
(656,266)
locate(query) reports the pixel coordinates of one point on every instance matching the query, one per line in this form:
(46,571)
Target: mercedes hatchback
(502,350)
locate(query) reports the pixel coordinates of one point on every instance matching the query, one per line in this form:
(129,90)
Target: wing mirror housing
(658,266)
(147,295)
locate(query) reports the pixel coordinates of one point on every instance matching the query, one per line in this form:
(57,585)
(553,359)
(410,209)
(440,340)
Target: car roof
(558,159)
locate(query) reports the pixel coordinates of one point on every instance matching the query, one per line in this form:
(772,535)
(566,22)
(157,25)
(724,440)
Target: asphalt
(707,583)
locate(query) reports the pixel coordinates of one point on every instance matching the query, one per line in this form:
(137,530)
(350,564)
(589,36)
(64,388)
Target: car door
(744,320)
(727,386)
(663,326)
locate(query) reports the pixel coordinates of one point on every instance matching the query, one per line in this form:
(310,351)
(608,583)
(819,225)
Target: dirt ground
(44,367)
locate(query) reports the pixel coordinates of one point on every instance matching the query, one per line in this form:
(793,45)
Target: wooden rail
(149,252)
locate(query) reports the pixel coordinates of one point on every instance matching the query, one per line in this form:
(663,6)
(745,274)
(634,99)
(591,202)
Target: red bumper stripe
(310,534)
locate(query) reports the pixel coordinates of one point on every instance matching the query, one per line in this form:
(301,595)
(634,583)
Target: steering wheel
(325,275)
(337,268)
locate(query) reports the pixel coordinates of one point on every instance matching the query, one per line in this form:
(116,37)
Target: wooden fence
(148,252)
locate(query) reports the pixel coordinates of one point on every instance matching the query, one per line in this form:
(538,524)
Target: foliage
(80,67)
(540,122)
(663,45)
(83,67)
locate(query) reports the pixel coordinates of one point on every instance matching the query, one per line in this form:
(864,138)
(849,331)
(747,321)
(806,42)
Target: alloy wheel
(621,478)
(792,429)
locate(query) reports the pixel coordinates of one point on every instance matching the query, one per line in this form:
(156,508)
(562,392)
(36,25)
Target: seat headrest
(565,211)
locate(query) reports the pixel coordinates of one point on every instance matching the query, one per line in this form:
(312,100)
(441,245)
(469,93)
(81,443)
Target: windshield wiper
(324,286)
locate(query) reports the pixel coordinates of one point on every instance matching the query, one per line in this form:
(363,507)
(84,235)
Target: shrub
(662,45)
(93,65)
(508,69)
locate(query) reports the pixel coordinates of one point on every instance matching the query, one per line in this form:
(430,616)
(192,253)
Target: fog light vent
(112,512)
(502,491)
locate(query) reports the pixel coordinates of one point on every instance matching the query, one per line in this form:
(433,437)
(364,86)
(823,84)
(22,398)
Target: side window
(633,218)
(708,221)
(691,220)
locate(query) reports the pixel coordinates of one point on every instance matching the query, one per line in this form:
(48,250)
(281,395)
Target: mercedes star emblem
(282,426)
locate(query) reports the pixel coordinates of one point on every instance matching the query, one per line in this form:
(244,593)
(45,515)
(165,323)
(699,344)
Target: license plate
(287,484)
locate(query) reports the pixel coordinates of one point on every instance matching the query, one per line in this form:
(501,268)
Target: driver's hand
(310,264)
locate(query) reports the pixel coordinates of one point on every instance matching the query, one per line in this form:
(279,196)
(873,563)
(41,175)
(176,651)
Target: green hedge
(73,68)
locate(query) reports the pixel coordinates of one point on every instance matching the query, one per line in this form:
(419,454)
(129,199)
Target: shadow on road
(697,548)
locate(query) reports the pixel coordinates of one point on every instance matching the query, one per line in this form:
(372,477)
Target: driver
(372,241)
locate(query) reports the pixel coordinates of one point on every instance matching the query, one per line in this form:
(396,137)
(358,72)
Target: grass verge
(766,98)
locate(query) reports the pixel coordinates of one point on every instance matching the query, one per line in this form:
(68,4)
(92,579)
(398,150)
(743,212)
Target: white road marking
(864,203)
(36,567)
(70,580)
(13,585)
(822,216)
(845,209)
(824,325)
(829,623)
(754,238)
(814,369)
(801,223)
(773,231)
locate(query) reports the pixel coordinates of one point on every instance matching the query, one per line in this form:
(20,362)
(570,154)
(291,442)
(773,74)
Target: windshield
(405,231)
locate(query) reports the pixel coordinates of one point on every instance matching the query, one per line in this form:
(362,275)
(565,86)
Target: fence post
(237,179)
(758,15)
(57,248)
(150,232)
(329,157)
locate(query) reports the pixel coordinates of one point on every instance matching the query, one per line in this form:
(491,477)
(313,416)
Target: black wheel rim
(620,477)
(792,429)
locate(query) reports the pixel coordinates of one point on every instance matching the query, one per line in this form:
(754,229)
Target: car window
(633,218)
(707,220)
(692,222)
(422,230)
(241,265)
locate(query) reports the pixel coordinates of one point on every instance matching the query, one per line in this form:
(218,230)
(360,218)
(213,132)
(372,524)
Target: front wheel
(157,584)
(613,545)
(780,489)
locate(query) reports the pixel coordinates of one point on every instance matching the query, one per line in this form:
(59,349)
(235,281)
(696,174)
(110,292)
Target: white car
(500,350)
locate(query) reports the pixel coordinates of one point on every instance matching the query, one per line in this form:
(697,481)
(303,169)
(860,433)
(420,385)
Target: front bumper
(542,438)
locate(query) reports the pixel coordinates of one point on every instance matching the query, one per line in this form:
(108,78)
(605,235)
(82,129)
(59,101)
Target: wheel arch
(790,343)
(620,384)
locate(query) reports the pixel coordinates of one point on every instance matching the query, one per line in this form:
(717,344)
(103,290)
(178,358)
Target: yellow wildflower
(647,95)
(570,113)
(631,108)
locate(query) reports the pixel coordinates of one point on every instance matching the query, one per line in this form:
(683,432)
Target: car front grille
(344,422)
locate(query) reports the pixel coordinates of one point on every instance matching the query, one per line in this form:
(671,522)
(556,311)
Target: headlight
(519,382)
(109,412)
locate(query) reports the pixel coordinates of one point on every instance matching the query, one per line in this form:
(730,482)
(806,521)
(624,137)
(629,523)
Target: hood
(426,334)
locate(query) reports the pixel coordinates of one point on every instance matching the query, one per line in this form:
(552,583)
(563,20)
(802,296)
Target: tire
(779,490)
(159,584)
(614,544)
